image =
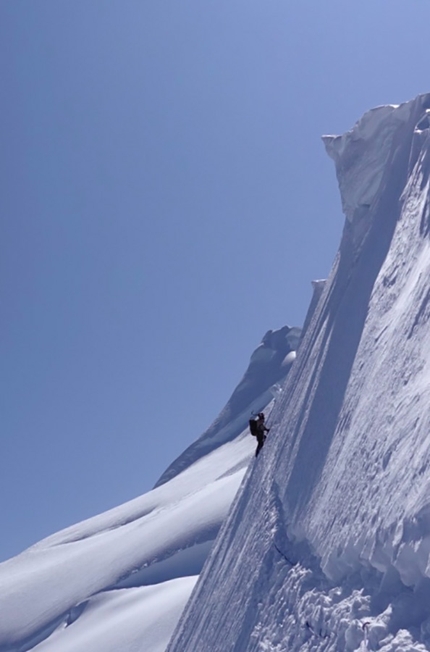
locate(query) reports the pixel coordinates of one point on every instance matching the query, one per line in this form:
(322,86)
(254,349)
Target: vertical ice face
(328,545)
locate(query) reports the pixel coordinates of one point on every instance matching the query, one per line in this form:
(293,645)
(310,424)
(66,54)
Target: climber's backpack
(253,427)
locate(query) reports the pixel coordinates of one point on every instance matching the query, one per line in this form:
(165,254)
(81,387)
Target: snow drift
(327,546)
(119,581)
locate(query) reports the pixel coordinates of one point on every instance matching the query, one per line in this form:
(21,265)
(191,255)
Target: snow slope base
(118,582)
(327,543)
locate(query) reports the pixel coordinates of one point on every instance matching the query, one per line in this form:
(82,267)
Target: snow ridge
(120,580)
(327,546)
(270,363)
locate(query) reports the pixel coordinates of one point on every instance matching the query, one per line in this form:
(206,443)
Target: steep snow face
(119,581)
(327,546)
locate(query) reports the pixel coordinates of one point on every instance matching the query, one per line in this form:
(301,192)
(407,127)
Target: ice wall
(327,544)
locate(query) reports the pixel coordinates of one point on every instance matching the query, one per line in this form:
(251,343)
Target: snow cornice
(362,153)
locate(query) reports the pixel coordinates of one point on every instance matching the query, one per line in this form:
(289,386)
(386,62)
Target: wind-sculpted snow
(361,156)
(327,546)
(120,580)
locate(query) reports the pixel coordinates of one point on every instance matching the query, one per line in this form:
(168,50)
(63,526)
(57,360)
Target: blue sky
(165,200)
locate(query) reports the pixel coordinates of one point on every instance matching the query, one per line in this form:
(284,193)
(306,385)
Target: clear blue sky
(165,199)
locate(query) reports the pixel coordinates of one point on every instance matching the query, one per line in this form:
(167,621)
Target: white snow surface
(119,581)
(146,614)
(327,545)
(109,583)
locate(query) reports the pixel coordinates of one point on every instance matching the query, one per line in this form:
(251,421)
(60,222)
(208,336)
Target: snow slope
(119,581)
(327,545)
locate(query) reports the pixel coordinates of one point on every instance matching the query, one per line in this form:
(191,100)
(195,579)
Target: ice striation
(327,545)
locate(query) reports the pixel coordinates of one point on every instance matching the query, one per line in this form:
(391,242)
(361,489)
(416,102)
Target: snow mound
(147,614)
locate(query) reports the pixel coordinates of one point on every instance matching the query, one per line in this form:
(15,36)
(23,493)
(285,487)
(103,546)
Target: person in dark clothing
(261,432)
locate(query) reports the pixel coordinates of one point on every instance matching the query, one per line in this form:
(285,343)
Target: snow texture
(327,545)
(119,581)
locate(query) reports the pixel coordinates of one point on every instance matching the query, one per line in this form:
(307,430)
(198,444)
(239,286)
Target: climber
(258,429)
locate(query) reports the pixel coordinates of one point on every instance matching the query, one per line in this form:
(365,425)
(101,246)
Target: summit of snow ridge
(361,154)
